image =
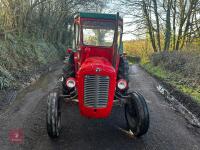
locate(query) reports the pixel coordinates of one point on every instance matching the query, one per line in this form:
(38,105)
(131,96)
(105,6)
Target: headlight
(122,84)
(70,82)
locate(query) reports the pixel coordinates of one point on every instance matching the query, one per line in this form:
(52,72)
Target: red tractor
(96,75)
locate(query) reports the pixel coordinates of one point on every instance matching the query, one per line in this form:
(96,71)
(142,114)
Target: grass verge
(175,79)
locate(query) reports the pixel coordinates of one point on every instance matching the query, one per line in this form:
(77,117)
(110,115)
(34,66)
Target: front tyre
(53,115)
(136,114)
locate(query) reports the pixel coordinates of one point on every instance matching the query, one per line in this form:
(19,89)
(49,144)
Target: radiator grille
(96,91)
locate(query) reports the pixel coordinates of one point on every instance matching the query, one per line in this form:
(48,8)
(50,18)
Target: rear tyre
(136,114)
(123,69)
(53,115)
(123,72)
(68,71)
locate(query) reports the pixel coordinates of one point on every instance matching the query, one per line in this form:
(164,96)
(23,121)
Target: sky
(127,28)
(112,8)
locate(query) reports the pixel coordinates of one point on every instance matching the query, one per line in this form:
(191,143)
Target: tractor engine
(96,87)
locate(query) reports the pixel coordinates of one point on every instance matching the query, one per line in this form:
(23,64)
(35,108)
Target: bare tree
(48,19)
(179,18)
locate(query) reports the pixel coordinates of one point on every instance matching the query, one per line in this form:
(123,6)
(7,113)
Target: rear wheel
(137,115)
(123,73)
(53,115)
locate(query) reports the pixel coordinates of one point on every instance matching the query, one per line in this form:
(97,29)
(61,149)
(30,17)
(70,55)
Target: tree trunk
(182,19)
(168,27)
(157,24)
(174,25)
(149,25)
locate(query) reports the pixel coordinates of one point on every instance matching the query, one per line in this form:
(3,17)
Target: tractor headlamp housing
(70,82)
(122,84)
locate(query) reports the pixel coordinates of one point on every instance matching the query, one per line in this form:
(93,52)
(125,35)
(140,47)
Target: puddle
(191,118)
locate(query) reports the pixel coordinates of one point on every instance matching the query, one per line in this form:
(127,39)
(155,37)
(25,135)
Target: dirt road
(168,129)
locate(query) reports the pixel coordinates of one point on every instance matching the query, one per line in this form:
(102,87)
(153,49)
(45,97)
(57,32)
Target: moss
(5,78)
(174,79)
(20,55)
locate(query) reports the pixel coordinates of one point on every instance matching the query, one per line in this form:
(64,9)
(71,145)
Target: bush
(157,58)
(186,63)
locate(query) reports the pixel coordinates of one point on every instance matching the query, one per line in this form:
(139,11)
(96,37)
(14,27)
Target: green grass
(132,60)
(174,79)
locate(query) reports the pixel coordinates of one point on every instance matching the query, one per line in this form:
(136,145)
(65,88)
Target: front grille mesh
(96,91)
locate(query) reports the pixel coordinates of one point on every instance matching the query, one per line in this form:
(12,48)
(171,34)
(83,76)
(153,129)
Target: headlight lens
(70,82)
(122,84)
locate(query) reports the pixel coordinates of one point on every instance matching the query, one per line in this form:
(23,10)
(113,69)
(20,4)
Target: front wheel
(137,115)
(53,115)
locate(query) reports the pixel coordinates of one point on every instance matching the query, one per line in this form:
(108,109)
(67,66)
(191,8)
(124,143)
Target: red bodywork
(87,59)
(89,68)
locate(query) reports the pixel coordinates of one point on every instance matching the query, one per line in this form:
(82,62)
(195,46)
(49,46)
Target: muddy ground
(168,129)
(24,79)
